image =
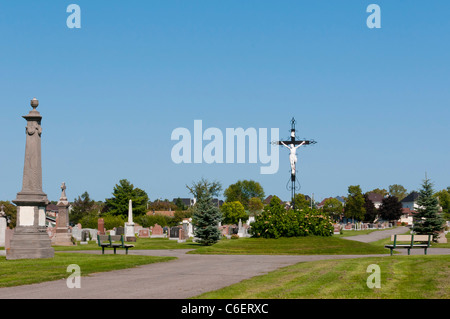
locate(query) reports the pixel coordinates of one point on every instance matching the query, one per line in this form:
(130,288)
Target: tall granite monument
(30,238)
(62,236)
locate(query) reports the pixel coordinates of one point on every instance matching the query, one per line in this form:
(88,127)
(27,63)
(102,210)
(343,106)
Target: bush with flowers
(275,221)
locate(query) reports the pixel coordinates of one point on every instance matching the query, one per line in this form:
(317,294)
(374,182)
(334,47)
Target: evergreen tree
(123,192)
(82,207)
(427,220)
(207,215)
(391,208)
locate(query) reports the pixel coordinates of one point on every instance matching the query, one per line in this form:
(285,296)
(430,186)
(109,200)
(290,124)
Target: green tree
(443,197)
(398,191)
(382,192)
(354,206)
(242,191)
(81,207)
(123,192)
(427,220)
(301,202)
(206,215)
(333,208)
(255,205)
(179,204)
(232,212)
(11,213)
(390,209)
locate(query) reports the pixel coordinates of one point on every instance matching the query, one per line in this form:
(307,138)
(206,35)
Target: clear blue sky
(112,92)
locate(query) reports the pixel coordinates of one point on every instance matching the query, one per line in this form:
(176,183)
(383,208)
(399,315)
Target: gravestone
(84,237)
(337,229)
(144,233)
(30,239)
(101,226)
(174,233)
(120,230)
(62,235)
(157,232)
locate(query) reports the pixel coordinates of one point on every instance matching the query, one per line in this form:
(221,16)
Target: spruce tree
(207,215)
(427,220)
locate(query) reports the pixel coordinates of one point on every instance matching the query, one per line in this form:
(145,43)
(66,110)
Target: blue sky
(112,92)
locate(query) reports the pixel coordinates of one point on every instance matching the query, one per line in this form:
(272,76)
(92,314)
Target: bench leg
(114,250)
(103,250)
(126,251)
(425,251)
(409,251)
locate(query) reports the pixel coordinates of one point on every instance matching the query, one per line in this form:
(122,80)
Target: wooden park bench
(112,241)
(410,241)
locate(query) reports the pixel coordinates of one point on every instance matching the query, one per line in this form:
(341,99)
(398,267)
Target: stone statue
(293,155)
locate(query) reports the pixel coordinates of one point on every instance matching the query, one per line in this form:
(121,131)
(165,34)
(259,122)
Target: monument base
(129,232)
(30,243)
(62,239)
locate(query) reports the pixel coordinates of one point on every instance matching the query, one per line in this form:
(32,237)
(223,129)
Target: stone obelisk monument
(30,238)
(62,236)
(129,226)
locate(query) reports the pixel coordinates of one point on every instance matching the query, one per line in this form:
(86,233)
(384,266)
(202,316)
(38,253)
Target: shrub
(275,221)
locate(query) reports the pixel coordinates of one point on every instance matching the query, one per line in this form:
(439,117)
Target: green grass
(29,271)
(310,245)
(402,277)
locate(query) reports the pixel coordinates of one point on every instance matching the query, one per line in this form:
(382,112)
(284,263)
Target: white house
(410,201)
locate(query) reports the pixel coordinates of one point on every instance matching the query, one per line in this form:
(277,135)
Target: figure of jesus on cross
(293,145)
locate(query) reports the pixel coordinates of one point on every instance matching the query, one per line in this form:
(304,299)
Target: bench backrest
(102,239)
(116,238)
(412,238)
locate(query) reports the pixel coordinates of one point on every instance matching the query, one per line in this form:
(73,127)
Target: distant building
(376,199)
(410,201)
(407,216)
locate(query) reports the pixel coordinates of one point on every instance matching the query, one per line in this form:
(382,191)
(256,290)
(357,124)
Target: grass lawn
(402,277)
(29,271)
(310,245)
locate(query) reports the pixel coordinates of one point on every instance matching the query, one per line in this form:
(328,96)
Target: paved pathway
(187,276)
(379,234)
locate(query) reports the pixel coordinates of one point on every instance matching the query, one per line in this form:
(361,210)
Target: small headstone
(337,229)
(174,233)
(120,230)
(84,237)
(144,233)
(101,226)
(157,231)
(441,239)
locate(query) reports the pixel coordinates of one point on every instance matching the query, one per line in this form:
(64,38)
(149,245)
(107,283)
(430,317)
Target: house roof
(412,197)
(408,211)
(169,213)
(375,197)
(51,207)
